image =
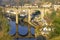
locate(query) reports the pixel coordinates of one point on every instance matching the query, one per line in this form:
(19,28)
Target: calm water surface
(22,30)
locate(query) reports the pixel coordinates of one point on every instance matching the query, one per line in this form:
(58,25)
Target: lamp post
(17,24)
(29,21)
(17,21)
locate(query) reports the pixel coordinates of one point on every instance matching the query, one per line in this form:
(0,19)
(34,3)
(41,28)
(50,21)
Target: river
(22,30)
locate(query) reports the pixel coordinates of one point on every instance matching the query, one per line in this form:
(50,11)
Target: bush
(56,25)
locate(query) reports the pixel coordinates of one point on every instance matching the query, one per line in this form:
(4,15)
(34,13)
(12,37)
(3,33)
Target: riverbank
(4,26)
(56,38)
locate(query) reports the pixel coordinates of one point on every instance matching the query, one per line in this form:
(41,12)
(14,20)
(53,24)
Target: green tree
(56,24)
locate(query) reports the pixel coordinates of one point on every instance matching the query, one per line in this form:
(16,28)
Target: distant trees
(22,2)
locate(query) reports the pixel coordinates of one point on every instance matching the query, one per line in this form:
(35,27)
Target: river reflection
(25,39)
(12,30)
(22,30)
